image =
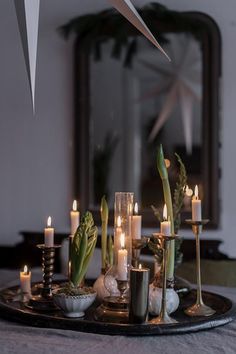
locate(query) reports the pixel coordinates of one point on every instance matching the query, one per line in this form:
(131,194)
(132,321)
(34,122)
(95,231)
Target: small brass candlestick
(199,308)
(43,301)
(164,318)
(122,286)
(137,245)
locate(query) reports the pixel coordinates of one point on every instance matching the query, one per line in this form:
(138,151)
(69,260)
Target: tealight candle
(122,260)
(136,223)
(196,206)
(25,281)
(74,217)
(165,225)
(49,234)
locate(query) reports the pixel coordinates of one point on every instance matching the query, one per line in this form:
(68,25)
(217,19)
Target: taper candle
(25,281)
(136,223)
(74,217)
(165,224)
(117,234)
(122,260)
(49,234)
(196,206)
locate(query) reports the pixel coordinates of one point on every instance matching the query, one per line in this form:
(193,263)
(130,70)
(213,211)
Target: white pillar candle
(165,225)
(74,217)
(136,224)
(122,260)
(49,234)
(196,206)
(25,280)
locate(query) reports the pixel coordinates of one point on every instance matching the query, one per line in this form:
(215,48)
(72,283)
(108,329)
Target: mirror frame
(209,36)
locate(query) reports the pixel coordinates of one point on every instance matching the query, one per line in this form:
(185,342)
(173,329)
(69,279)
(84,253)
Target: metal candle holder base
(115,308)
(164,318)
(199,308)
(137,245)
(43,301)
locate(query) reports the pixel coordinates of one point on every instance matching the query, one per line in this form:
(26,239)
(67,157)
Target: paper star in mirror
(181,80)
(127,9)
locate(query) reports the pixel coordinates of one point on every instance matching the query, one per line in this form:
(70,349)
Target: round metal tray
(13,310)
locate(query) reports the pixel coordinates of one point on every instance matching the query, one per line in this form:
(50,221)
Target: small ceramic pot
(74,305)
(155,298)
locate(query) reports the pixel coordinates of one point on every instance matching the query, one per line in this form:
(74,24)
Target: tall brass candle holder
(164,242)
(199,308)
(43,301)
(137,245)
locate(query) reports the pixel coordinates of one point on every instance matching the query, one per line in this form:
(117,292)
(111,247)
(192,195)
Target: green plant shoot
(161,166)
(104,218)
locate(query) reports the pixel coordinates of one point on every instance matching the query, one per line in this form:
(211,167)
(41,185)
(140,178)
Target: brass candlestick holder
(137,245)
(122,286)
(199,308)
(164,242)
(43,301)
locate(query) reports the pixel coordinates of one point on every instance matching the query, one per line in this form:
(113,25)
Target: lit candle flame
(196,192)
(122,240)
(25,269)
(140,266)
(74,206)
(165,213)
(136,208)
(49,221)
(118,221)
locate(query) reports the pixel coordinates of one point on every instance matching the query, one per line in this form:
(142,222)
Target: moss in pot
(74,297)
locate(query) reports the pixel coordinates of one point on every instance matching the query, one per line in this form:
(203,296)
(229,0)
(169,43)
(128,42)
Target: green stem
(171,253)
(104,244)
(161,166)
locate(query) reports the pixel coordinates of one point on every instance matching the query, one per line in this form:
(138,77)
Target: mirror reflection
(137,109)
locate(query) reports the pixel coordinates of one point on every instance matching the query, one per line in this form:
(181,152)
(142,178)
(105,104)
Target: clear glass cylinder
(123,211)
(116,279)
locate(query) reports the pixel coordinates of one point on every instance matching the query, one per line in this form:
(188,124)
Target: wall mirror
(129,99)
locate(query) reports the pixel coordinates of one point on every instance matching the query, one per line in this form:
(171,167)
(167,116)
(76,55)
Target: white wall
(36,152)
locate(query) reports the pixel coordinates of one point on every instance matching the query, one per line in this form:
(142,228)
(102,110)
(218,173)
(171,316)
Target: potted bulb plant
(74,297)
(106,255)
(155,291)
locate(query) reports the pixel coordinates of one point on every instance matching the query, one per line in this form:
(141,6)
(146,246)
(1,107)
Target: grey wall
(36,152)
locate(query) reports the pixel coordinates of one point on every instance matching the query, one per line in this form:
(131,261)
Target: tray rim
(39,319)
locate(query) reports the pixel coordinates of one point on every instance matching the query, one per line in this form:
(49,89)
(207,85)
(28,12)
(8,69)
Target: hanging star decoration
(127,9)
(27,12)
(181,81)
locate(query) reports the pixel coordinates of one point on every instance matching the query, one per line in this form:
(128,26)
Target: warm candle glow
(136,208)
(49,221)
(188,191)
(140,266)
(122,240)
(165,212)
(196,192)
(74,206)
(25,269)
(118,221)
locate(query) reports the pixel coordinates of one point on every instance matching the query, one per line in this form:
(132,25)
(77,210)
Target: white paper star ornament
(127,9)
(27,12)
